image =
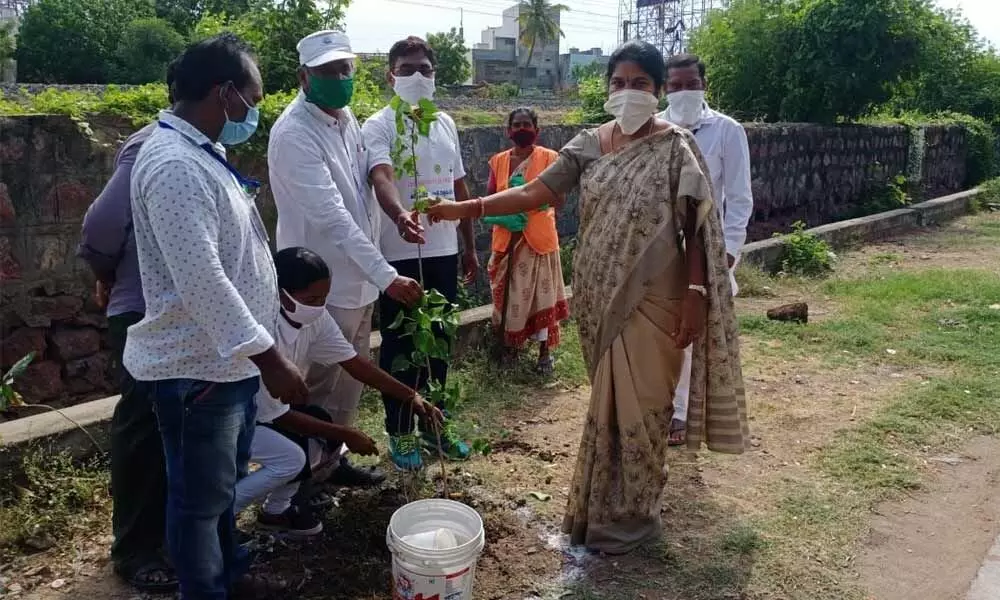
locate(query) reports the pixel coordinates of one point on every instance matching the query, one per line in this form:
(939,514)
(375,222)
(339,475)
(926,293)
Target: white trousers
(330,387)
(684,383)
(281,460)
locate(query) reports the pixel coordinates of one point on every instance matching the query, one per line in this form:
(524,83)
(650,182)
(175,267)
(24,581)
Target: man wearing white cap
(318,172)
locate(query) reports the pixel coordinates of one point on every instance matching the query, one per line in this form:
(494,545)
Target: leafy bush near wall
(982,161)
(592,93)
(805,254)
(990,193)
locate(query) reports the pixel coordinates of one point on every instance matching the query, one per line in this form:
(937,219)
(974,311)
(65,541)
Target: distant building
(501,58)
(577,58)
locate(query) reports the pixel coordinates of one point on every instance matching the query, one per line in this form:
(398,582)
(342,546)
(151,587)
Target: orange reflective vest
(540,230)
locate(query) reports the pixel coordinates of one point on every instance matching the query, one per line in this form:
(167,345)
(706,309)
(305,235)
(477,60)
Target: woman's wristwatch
(698,288)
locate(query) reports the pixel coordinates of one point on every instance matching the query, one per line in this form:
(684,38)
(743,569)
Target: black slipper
(142,578)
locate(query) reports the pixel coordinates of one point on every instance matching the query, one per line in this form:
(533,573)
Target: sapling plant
(433,322)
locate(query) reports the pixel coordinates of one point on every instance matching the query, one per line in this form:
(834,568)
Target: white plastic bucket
(420,573)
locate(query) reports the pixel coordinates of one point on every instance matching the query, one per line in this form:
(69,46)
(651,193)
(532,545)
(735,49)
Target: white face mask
(686,107)
(303,314)
(414,88)
(631,109)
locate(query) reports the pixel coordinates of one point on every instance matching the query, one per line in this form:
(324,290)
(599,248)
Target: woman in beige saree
(649,277)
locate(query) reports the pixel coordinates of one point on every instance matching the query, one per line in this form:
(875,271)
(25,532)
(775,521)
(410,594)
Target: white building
(501,57)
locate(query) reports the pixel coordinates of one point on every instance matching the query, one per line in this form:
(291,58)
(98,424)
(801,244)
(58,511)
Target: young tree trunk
(520,78)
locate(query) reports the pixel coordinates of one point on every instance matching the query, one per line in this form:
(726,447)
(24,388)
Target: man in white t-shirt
(318,170)
(405,242)
(290,443)
(723,143)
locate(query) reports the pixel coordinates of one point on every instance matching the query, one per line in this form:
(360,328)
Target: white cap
(324,47)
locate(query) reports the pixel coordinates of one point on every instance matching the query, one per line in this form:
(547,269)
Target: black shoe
(294,522)
(347,475)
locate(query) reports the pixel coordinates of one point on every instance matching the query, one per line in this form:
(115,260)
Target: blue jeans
(206,430)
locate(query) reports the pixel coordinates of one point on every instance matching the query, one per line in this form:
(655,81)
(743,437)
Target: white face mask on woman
(303,314)
(414,87)
(631,109)
(686,107)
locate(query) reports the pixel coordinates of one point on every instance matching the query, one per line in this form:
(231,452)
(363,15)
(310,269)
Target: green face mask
(330,93)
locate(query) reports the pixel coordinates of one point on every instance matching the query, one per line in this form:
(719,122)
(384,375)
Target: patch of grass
(50,498)
(753,281)
(933,320)
(488,390)
(885,258)
(742,540)
(470,117)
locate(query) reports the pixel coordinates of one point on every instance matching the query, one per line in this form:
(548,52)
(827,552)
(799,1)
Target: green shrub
(990,195)
(146,48)
(890,195)
(497,91)
(805,254)
(593,95)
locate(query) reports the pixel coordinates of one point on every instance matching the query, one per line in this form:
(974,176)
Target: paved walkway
(987,583)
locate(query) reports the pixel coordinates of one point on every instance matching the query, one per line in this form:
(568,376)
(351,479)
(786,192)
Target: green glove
(513,223)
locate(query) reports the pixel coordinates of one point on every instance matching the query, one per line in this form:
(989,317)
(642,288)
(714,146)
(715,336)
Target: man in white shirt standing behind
(318,171)
(406,243)
(723,142)
(211,293)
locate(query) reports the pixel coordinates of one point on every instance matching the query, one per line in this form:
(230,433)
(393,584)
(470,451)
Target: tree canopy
(452,57)
(69,41)
(823,60)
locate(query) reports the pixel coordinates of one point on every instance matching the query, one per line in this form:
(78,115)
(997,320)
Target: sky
(374,25)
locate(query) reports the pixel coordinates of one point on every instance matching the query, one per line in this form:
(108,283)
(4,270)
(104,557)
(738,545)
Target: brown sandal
(678,433)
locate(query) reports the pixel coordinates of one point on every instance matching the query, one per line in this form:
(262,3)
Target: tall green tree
(273,29)
(452,57)
(74,41)
(147,47)
(539,25)
(8,45)
(808,60)
(184,14)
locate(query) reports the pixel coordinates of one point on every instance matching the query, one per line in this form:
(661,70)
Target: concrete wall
(51,169)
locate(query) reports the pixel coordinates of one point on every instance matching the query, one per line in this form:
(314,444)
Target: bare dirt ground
(927,546)
(931,544)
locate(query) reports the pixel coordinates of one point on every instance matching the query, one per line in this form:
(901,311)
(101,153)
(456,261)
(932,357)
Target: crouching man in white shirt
(290,443)
(318,170)
(723,143)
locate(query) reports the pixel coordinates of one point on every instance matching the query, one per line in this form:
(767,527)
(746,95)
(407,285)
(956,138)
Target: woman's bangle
(481,206)
(698,288)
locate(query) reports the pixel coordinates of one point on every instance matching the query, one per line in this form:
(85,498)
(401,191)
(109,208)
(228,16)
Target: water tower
(663,23)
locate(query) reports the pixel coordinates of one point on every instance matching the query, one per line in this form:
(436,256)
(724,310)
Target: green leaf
(401,364)
(424,341)
(482,446)
(19,367)
(423,128)
(436,298)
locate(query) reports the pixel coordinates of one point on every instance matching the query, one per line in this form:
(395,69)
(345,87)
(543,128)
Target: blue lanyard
(250,185)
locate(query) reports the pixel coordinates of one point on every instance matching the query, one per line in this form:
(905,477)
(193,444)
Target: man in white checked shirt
(211,293)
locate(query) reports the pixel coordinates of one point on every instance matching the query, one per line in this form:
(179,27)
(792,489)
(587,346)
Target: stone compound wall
(49,174)
(50,171)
